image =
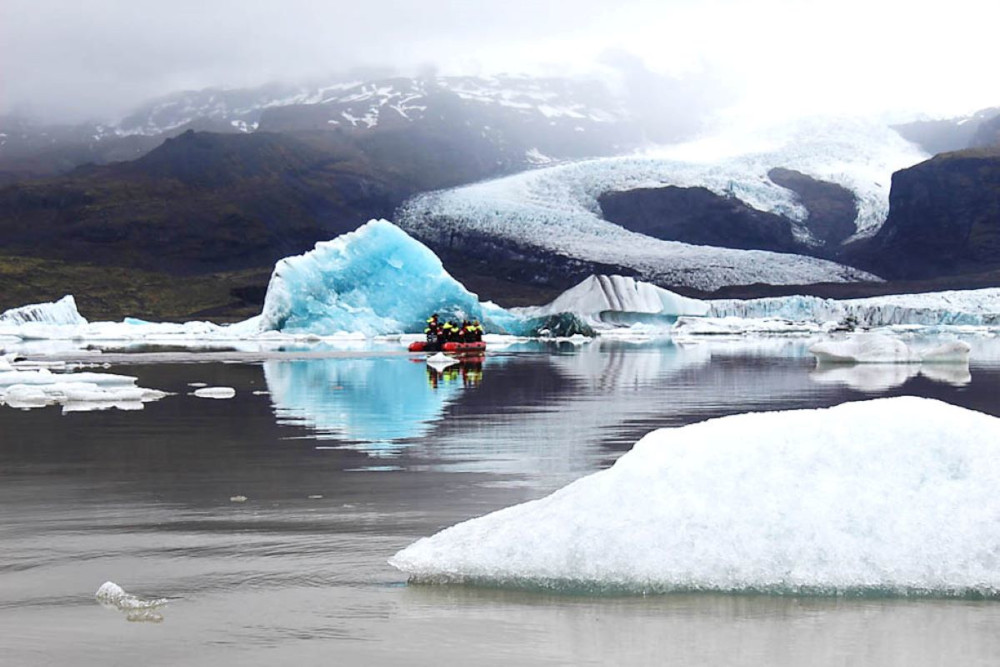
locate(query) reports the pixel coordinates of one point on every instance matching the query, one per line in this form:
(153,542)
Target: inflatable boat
(452,346)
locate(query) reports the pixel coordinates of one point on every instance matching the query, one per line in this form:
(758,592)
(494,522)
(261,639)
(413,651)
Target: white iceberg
(603,300)
(872,348)
(60,312)
(890,496)
(864,349)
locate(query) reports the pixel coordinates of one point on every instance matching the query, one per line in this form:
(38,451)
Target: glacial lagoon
(265,521)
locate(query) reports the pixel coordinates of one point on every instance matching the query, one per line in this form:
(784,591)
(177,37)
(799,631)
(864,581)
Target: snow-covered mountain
(534,120)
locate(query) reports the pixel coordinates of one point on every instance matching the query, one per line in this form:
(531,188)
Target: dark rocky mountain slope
(944,219)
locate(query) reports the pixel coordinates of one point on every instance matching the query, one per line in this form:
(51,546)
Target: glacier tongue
(375,280)
(889,496)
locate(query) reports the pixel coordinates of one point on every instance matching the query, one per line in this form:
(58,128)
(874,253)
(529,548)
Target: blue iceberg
(374,280)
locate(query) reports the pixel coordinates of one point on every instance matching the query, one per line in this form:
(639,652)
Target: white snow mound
(884,497)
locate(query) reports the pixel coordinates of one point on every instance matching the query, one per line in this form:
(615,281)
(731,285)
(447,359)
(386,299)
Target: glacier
(555,209)
(374,280)
(890,496)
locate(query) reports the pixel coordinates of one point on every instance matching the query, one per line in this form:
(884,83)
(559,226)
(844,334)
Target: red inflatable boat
(424,346)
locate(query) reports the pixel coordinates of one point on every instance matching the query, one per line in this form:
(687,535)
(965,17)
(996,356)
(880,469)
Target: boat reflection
(467,371)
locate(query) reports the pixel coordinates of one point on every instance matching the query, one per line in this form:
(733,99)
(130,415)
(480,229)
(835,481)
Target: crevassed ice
(374,280)
(556,208)
(964,307)
(891,496)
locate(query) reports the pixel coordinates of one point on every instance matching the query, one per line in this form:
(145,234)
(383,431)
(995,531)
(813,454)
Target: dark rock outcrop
(833,209)
(944,219)
(697,216)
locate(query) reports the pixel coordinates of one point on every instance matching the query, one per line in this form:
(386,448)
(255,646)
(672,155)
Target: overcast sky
(98,58)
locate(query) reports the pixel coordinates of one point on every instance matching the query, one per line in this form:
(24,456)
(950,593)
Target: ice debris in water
(111,594)
(885,497)
(215,392)
(375,280)
(76,392)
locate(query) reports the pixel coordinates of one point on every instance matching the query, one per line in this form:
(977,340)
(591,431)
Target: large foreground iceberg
(890,496)
(374,280)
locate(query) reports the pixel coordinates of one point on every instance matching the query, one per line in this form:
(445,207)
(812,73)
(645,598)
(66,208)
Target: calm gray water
(344,461)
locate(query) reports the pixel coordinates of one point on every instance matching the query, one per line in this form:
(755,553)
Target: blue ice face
(375,280)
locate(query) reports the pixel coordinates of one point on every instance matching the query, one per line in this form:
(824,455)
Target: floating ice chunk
(77,396)
(952,352)
(865,349)
(62,311)
(375,280)
(215,392)
(112,595)
(45,376)
(889,496)
(440,361)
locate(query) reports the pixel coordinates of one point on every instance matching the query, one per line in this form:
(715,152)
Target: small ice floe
(874,362)
(873,348)
(215,392)
(197,384)
(76,392)
(112,596)
(440,361)
(865,349)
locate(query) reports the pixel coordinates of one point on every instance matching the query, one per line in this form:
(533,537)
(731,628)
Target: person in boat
(448,332)
(433,329)
(466,334)
(477,331)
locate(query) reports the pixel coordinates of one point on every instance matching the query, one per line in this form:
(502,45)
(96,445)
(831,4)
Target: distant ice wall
(964,307)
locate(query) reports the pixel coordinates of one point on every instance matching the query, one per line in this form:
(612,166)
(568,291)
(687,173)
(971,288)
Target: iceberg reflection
(375,404)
